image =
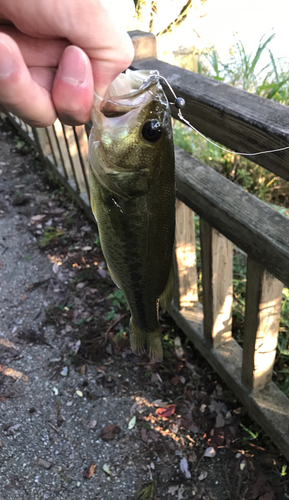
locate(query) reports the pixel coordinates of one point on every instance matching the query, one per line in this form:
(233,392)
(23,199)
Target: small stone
(220,421)
(43,463)
(93,424)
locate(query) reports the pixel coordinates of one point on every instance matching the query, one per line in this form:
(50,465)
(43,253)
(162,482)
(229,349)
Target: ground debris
(44,463)
(181,407)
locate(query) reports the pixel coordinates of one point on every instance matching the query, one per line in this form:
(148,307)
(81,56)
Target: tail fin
(137,338)
(154,345)
(152,341)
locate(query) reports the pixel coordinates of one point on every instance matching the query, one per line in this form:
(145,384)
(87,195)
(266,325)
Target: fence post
(186,278)
(262,317)
(217,280)
(145,44)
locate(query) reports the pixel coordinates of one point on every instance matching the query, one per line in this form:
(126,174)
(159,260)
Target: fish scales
(133,198)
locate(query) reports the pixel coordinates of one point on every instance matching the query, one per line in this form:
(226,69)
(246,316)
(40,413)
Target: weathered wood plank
(262,317)
(186,260)
(247,221)
(145,44)
(237,119)
(217,281)
(269,407)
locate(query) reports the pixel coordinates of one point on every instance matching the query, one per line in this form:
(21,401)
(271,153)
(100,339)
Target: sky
(220,23)
(247,20)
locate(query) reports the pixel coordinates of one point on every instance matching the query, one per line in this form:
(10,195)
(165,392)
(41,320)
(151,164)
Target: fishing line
(180,103)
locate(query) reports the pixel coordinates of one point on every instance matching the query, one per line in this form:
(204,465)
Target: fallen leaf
(108,432)
(37,218)
(269,495)
(242,465)
(2,399)
(132,422)
(135,407)
(202,476)
(55,268)
(79,393)
(262,489)
(82,369)
(106,469)
(184,467)
(154,435)
(173,489)
(160,403)
(13,429)
(167,411)
(89,471)
(103,273)
(175,381)
(178,348)
(64,371)
(210,452)
(9,372)
(144,435)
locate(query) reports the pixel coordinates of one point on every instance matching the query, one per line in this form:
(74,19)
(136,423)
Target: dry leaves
(89,471)
(108,432)
(262,489)
(167,411)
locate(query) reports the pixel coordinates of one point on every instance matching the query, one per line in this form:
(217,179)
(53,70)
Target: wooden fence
(228,215)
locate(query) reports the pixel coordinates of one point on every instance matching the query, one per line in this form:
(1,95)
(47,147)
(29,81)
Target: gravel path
(67,430)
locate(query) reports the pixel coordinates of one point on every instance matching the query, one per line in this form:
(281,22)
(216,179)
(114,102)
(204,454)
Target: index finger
(88,25)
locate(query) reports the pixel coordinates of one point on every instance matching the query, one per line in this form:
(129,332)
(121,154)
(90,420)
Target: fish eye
(152,130)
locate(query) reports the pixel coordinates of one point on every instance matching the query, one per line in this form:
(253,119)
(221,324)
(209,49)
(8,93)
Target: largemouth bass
(132,182)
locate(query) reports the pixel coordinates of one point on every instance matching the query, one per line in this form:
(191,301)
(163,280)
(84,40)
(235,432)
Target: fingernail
(6,61)
(73,66)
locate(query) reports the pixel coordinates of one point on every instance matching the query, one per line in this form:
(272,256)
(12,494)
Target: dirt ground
(82,417)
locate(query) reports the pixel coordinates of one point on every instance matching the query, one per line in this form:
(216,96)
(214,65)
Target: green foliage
(97,240)
(119,305)
(50,234)
(148,492)
(242,71)
(271,82)
(251,434)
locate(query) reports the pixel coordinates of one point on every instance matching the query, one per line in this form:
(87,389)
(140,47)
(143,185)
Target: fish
(132,193)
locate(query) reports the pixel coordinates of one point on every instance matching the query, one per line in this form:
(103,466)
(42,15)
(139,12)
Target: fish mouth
(128,92)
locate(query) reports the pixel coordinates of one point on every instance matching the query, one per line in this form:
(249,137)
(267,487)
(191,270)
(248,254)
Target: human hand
(54,53)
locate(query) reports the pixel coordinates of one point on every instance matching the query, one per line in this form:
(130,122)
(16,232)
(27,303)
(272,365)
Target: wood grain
(269,406)
(262,317)
(236,119)
(145,44)
(244,219)
(217,281)
(185,250)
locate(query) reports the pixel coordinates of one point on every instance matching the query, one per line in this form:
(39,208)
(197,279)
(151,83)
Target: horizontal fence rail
(228,216)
